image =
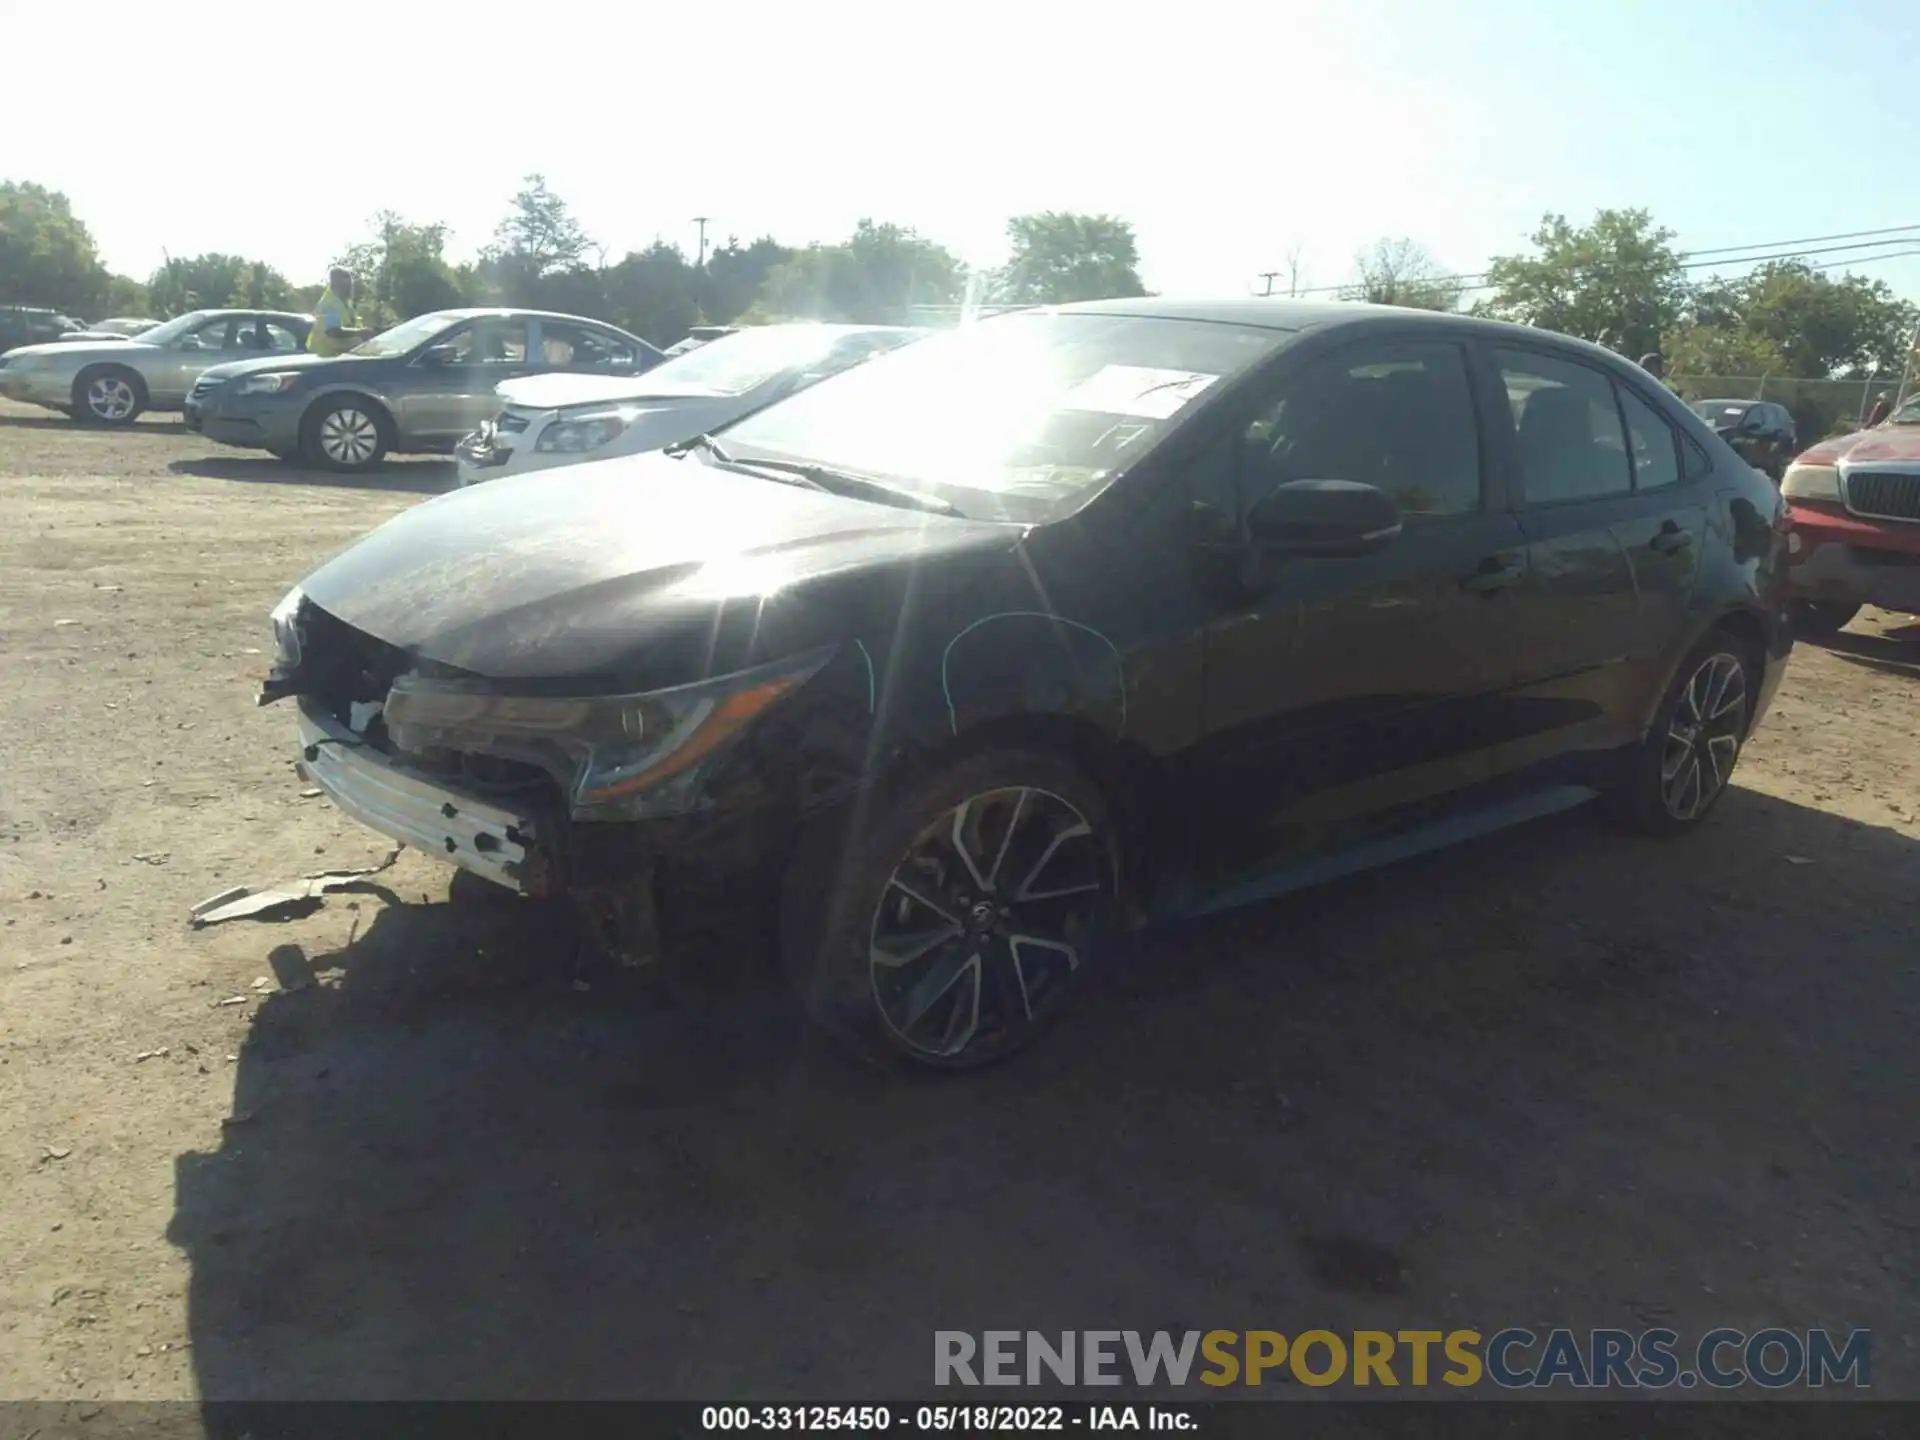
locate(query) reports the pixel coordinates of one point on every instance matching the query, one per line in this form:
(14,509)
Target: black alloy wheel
(979,931)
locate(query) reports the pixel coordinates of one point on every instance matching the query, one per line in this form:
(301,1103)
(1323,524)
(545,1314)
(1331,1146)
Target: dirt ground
(413,1145)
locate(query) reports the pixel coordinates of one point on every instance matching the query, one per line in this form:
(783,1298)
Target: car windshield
(734,364)
(1032,411)
(407,335)
(1907,414)
(1720,412)
(170,330)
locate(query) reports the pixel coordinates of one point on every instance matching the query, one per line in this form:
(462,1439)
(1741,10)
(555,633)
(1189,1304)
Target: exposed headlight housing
(277,382)
(1811,482)
(582,433)
(619,756)
(288,635)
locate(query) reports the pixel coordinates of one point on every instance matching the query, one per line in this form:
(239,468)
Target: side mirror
(1330,519)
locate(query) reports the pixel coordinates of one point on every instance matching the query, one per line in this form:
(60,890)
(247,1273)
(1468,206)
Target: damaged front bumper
(422,811)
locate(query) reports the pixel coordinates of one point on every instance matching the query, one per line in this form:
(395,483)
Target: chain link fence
(1819,407)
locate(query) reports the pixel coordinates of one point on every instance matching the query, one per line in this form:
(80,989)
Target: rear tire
(1820,617)
(108,395)
(346,435)
(1677,774)
(950,922)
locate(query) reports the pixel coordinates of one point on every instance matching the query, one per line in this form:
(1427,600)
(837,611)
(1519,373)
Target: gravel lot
(413,1144)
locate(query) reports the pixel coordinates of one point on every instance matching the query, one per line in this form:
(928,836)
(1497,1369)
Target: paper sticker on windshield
(1138,390)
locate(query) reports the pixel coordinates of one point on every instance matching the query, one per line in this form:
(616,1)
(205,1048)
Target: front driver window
(1398,416)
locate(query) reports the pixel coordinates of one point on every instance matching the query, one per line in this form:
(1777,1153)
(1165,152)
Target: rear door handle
(1671,539)
(1495,573)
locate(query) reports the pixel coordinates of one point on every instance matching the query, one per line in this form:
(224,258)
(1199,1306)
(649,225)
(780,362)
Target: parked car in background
(1760,431)
(562,419)
(418,387)
(119,327)
(1856,523)
(698,336)
(1069,617)
(31,325)
(109,382)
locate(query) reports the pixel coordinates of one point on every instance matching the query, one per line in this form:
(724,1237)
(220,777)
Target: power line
(1474,280)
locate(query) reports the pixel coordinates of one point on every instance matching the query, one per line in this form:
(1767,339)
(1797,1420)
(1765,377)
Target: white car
(548,420)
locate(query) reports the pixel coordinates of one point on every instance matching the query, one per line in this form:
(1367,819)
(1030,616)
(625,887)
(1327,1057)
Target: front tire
(1820,617)
(346,435)
(1679,772)
(108,395)
(950,924)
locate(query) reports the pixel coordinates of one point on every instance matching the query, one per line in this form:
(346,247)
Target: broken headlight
(287,634)
(620,756)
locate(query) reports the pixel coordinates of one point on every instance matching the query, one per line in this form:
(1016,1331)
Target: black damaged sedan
(1060,622)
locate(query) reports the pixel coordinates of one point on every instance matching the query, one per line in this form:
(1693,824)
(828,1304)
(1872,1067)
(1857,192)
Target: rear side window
(1567,429)
(1656,454)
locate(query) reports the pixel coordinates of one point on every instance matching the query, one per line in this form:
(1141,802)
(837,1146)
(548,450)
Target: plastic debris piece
(285,901)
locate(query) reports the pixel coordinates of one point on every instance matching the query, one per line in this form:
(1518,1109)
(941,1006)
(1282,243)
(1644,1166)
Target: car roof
(1294,316)
(478,312)
(250,310)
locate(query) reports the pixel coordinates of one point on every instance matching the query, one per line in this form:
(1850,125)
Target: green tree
(1402,272)
(1821,325)
(1617,281)
(654,293)
(213,281)
(875,277)
(47,257)
(735,276)
(125,296)
(1719,348)
(1059,256)
(538,239)
(402,271)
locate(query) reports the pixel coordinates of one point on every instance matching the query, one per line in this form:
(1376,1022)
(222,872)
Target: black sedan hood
(604,569)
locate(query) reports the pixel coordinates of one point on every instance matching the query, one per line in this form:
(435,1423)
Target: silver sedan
(109,382)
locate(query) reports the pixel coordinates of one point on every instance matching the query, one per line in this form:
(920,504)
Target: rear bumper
(1839,557)
(418,810)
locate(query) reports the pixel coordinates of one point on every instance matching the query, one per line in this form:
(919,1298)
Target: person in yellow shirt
(334,332)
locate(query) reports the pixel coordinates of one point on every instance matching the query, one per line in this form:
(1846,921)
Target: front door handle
(1671,539)
(1495,573)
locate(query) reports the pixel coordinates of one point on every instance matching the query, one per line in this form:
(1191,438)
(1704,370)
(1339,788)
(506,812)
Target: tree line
(541,257)
(1618,280)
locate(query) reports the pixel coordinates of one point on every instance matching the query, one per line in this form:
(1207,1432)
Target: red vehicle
(1856,523)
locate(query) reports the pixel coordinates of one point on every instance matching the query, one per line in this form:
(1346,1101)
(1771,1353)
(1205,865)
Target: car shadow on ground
(144,425)
(1893,651)
(1559,1076)
(419,477)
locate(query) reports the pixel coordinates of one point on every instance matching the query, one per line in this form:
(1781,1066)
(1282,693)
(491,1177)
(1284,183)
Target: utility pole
(1269,276)
(701,221)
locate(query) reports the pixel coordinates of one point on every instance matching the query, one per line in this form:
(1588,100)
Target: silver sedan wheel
(110,397)
(983,922)
(1703,736)
(349,436)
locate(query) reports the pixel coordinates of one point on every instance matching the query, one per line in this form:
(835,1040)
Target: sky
(1229,134)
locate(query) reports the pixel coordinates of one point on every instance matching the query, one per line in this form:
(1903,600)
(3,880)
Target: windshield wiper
(839,482)
(816,477)
(702,441)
